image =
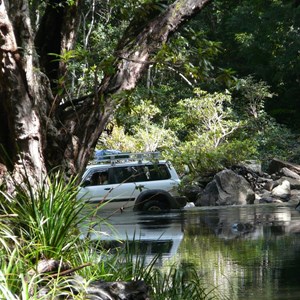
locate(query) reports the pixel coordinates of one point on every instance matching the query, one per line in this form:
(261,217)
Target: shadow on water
(247,252)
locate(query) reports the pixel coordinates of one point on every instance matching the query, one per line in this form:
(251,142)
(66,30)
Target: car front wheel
(154,205)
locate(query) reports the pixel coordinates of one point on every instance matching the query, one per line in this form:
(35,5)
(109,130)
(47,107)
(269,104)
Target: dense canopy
(189,77)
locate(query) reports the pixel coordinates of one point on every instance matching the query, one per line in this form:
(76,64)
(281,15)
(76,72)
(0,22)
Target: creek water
(248,252)
(245,252)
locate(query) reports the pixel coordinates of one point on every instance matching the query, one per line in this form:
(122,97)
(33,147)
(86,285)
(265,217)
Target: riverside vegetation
(41,227)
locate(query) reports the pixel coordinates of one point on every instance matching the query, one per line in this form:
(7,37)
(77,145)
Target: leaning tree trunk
(141,40)
(37,131)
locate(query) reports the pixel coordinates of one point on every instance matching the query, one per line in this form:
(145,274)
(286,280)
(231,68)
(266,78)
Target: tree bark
(22,96)
(38,132)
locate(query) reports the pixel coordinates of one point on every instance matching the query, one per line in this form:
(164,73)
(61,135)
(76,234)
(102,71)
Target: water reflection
(247,252)
(144,234)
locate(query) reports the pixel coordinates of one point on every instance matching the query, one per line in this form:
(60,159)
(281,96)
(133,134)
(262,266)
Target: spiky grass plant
(135,265)
(10,265)
(179,284)
(48,216)
(34,225)
(8,240)
(5,291)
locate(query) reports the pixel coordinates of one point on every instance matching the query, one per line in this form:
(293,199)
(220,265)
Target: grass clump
(48,217)
(179,284)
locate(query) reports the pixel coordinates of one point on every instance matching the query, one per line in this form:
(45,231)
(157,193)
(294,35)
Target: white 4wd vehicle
(142,185)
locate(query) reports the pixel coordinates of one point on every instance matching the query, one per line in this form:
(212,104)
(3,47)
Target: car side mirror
(86,183)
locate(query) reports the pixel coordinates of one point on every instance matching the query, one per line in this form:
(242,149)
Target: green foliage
(208,118)
(85,66)
(12,279)
(270,138)
(149,137)
(143,134)
(276,140)
(222,130)
(262,38)
(191,55)
(209,122)
(194,55)
(210,131)
(228,40)
(118,139)
(134,262)
(128,263)
(47,217)
(201,161)
(188,285)
(251,97)
(7,236)
(16,283)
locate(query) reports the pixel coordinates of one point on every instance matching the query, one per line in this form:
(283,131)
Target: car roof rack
(126,157)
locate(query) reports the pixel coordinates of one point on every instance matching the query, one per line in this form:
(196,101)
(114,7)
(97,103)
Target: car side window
(99,178)
(140,173)
(159,172)
(123,174)
(94,179)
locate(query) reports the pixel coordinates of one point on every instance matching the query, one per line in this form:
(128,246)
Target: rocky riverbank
(246,183)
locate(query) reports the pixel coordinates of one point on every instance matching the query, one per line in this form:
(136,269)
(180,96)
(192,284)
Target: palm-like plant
(47,217)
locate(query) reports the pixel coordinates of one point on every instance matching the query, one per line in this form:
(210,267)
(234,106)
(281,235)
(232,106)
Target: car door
(116,194)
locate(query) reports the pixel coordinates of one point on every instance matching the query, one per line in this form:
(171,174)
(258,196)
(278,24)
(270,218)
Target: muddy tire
(154,206)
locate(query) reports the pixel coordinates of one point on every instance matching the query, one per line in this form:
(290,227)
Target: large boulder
(227,188)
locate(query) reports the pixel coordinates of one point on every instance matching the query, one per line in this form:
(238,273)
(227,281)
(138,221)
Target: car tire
(154,206)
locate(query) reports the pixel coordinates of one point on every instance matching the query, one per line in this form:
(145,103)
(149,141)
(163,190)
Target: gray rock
(191,192)
(276,165)
(267,200)
(270,185)
(209,195)
(295,196)
(253,165)
(289,173)
(294,183)
(283,190)
(134,290)
(227,188)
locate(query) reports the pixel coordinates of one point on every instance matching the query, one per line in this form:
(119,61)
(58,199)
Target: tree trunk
(56,34)
(38,132)
(23,98)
